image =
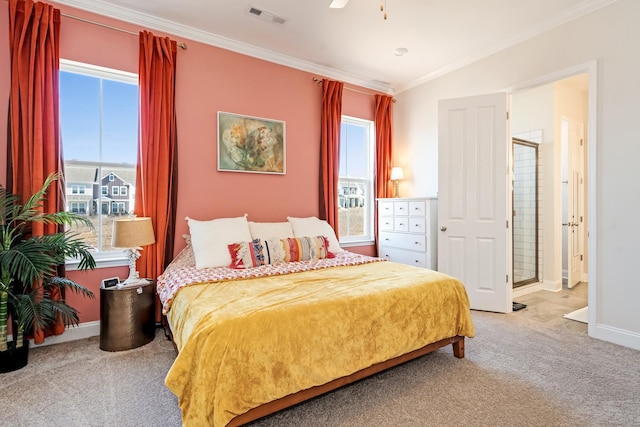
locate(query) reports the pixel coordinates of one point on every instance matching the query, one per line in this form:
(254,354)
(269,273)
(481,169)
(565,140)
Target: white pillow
(271,230)
(312,226)
(209,239)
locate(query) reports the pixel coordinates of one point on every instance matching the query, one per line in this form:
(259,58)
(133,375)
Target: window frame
(115,258)
(368,184)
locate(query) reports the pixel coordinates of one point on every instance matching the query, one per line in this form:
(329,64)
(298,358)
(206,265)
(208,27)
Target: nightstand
(127,316)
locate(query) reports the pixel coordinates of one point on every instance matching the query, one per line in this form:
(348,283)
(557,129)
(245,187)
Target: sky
(354,152)
(80,119)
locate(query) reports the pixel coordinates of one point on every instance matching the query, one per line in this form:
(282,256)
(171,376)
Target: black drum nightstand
(127,316)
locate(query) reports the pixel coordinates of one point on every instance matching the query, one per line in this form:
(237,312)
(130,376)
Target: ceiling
(354,44)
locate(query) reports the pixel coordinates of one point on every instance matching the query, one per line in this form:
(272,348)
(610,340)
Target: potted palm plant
(29,272)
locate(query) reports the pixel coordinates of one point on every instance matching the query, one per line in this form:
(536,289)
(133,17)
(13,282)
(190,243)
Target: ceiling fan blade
(338,4)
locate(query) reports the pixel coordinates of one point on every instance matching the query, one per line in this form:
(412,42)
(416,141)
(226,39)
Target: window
(77,189)
(118,208)
(115,190)
(355,182)
(123,191)
(80,208)
(99,125)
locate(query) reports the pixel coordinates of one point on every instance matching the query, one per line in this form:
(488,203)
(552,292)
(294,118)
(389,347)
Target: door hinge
(581,140)
(507,223)
(507,115)
(581,259)
(507,278)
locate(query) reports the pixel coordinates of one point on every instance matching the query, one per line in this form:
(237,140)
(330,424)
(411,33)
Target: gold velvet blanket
(247,342)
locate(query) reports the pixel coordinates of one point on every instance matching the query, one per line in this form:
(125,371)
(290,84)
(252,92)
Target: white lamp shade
(396,174)
(132,232)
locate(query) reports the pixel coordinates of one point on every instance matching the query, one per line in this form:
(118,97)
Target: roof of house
(85,172)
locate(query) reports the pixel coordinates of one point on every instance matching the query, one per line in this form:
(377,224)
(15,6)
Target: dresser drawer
(417,208)
(385,208)
(417,225)
(385,223)
(414,242)
(401,208)
(402,256)
(401,224)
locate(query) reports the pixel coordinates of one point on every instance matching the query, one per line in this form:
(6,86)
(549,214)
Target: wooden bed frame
(299,397)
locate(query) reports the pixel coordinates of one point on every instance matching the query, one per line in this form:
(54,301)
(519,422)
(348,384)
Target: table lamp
(396,177)
(132,233)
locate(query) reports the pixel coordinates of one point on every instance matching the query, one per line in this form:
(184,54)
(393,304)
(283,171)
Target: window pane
(355,198)
(99,123)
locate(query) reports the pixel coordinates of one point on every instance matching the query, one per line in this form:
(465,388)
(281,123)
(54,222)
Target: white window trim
(115,190)
(110,258)
(123,190)
(103,260)
(104,190)
(370,201)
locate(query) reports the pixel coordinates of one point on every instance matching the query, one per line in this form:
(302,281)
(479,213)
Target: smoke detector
(266,15)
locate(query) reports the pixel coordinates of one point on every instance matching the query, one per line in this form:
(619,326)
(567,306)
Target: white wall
(609,36)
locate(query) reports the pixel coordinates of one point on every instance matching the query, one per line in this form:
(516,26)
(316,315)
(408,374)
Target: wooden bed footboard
(301,396)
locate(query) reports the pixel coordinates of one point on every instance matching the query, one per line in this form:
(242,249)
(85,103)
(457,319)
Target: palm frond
(29,262)
(69,285)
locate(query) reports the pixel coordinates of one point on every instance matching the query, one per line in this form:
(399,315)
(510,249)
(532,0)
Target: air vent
(266,15)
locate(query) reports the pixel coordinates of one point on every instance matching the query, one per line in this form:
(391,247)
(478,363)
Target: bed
(255,340)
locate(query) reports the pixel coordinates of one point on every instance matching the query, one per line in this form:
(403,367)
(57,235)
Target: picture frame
(251,144)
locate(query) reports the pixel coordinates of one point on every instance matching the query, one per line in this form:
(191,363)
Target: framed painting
(250,144)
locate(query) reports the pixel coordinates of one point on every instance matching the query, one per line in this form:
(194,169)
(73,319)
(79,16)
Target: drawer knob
(402,223)
(416,243)
(387,239)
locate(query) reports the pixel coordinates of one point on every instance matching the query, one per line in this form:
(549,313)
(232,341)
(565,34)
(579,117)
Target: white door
(575,205)
(474,180)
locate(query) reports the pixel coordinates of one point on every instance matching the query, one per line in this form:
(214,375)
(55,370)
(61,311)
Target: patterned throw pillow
(271,251)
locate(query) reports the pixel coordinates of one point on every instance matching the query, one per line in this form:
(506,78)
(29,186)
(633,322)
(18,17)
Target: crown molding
(557,20)
(147,21)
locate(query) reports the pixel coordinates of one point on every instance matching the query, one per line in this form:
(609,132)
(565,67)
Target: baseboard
(615,335)
(526,289)
(72,333)
(552,285)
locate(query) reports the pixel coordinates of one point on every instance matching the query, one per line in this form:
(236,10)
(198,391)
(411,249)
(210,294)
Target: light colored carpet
(580,315)
(517,372)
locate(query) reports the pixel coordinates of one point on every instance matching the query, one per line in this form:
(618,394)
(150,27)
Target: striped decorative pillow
(271,251)
(304,248)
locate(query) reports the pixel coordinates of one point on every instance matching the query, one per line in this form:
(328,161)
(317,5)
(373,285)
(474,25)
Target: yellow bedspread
(247,342)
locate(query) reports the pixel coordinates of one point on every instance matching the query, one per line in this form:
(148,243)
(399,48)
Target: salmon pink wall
(210,79)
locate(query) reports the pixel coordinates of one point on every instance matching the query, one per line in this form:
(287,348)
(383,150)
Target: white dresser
(407,231)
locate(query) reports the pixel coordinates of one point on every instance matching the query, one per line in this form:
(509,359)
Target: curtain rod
(318,81)
(111,27)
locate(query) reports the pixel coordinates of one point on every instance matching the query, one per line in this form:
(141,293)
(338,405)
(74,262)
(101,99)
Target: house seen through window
(99,125)
(355,182)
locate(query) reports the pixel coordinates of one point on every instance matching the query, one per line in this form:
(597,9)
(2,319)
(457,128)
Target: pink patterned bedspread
(182,271)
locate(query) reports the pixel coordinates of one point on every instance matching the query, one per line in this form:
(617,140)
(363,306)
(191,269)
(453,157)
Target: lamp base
(134,276)
(396,188)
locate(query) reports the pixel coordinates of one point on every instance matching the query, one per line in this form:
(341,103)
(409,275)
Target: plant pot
(14,358)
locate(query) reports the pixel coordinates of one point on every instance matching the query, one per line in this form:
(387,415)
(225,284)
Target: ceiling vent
(266,15)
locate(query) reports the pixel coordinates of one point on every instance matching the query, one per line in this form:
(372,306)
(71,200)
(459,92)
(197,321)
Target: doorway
(525,212)
(557,113)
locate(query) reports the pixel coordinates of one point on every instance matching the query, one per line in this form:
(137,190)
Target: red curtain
(156,174)
(34,149)
(384,145)
(330,150)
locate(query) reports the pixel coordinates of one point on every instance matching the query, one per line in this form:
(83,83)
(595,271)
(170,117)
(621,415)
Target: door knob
(443,228)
